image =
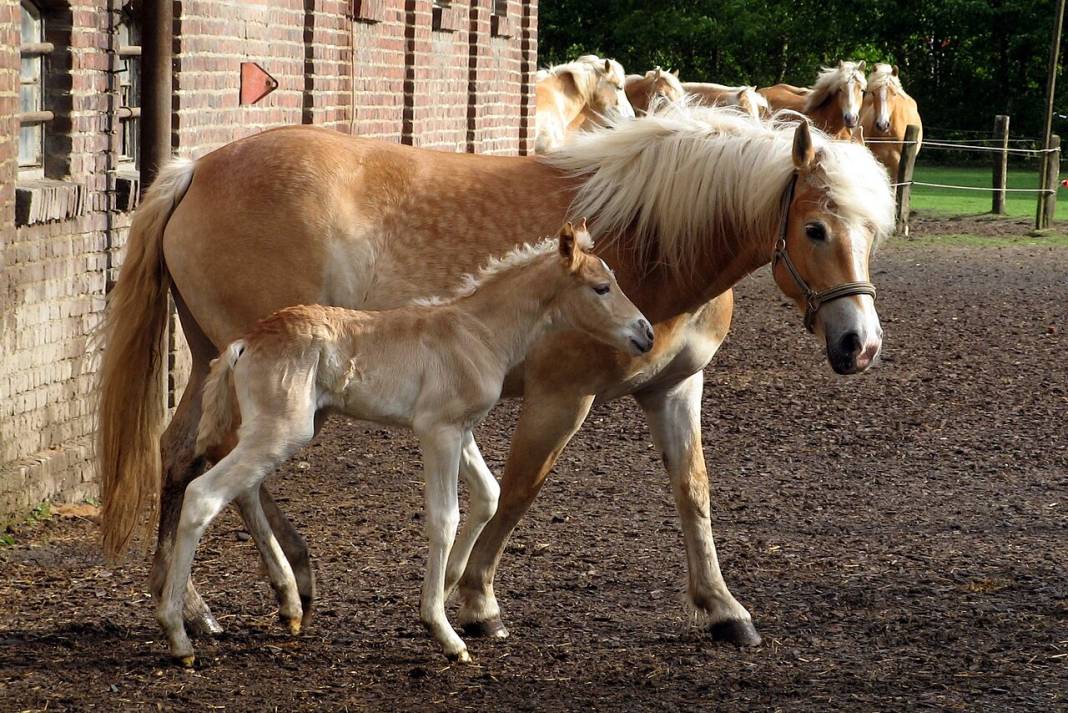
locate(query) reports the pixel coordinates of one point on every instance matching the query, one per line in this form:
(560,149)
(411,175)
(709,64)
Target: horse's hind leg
(180,466)
(484,493)
(271,550)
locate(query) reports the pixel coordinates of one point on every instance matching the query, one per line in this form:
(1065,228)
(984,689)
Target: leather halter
(813,299)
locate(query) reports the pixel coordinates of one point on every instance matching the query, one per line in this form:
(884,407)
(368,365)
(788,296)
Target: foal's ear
(568,244)
(893,70)
(804,152)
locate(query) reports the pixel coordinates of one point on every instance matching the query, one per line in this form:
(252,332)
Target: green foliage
(963,60)
(42,512)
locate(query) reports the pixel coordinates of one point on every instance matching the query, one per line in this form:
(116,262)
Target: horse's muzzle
(849,355)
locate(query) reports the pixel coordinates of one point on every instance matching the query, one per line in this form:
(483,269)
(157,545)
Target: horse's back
(303,215)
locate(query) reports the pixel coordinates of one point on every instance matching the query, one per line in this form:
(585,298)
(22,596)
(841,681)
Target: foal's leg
(279,570)
(441,460)
(547,423)
(484,492)
(242,470)
(180,465)
(674,416)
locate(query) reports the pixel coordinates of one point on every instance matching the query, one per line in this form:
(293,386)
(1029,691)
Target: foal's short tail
(217,419)
(131,388)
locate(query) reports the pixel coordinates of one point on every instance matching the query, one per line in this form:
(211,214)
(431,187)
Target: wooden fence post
(1001,163)
(1052,160)
(904,177)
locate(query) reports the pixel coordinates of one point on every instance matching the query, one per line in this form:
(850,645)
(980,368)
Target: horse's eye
(816,231)
(602,289)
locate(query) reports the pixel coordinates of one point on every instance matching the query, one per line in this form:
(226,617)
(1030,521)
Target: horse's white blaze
(857,313)
(882,121)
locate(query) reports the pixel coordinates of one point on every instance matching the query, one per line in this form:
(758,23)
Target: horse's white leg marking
(674,417)
(484,492)
(256,455)
(441,447)
(279,570)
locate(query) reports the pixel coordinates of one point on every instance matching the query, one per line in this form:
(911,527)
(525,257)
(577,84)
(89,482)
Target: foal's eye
(602,289)
(816,231)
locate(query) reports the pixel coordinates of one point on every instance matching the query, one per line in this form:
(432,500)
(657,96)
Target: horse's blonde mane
(516,258)
(830,80)
(586,72)
(883,76)
(693,179)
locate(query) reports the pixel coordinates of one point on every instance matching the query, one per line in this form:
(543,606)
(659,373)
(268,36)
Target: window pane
(30,69)
(30,145)
(29,97)
(31,24)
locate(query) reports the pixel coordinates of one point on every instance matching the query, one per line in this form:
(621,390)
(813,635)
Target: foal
(437,368)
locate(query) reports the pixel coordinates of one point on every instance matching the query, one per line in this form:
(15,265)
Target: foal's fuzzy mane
(883,76)
(830,80)
(693,179)
(519,257)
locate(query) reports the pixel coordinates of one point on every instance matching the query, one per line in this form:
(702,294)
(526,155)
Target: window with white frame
(128,41)
(33,116)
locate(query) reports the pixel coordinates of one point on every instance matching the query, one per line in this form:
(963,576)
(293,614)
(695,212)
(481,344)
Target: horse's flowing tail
(131,390)
(217,419)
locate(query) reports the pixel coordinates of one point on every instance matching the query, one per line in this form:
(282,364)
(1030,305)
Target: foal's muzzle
(641,336)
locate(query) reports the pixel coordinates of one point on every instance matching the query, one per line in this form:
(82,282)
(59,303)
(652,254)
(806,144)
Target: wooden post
(909,149)
(1047,131)
(1001,163)
(1052,161)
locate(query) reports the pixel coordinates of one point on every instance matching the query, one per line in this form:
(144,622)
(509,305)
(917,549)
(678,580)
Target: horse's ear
(893,70)
(608,66)
(676,73)
(841,63)
(804,152)
(860,66)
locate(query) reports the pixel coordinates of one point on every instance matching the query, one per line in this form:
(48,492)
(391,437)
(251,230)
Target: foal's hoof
(739,632)
(293,625)
(489,629)
(461,657)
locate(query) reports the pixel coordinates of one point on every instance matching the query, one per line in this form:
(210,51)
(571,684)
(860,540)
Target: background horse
(575,96)
(834,101)
(685,204)
(654,85)
(747,99)
(887,112)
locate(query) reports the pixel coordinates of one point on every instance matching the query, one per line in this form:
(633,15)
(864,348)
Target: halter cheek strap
(813,299)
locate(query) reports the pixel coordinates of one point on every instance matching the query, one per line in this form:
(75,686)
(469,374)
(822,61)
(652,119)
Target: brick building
(455,76)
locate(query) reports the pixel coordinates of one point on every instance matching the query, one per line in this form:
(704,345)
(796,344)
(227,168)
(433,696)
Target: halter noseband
(813,299)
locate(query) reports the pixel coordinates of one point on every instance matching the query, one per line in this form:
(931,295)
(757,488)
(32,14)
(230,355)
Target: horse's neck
(828,117)
(514,308)
(662,293)
(639,94)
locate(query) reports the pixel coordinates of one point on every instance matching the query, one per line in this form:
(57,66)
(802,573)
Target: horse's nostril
(850,344)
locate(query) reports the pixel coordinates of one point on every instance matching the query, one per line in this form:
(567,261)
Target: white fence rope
(971,188)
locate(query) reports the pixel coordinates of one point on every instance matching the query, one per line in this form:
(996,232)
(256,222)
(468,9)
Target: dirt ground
(900,537)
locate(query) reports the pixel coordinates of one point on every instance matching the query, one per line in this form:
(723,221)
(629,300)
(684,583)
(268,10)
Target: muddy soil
(901,538)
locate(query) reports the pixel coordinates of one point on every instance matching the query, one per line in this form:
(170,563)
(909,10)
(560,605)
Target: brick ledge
(64,474)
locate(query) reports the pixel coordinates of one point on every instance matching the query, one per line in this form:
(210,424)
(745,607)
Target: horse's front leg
(441,461)
(546,424)
(674,416)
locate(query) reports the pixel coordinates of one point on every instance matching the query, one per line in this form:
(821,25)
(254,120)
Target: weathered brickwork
(377,69)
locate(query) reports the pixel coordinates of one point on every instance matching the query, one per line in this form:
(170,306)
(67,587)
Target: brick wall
(385,73)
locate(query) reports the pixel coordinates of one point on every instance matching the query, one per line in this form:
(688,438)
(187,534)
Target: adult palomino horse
(747,99)
(436,368)
(887,112)
(686,203)
(578,95)
(656,85)
(834,101)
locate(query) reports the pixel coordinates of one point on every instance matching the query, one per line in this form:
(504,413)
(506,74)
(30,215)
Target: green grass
(954,202)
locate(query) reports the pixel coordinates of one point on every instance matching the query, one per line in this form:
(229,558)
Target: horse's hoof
(489,629)
(739,632)
(461,657)
(187,661)
(305,607)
